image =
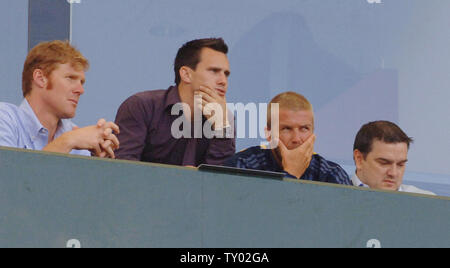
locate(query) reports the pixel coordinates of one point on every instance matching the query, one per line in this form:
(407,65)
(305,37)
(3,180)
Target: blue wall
(13,48)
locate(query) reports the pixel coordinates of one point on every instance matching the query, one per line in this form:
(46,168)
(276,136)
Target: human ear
(186,74)
(39,78)
(358,157)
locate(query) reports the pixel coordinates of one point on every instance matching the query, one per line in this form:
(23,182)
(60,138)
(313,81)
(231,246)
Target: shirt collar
(173,97)
(31,121)
(34,125)
(357,182)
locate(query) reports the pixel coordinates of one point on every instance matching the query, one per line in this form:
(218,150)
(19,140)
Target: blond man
(52,83)
(294,139)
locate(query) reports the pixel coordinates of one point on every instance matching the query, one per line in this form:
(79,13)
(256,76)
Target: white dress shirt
(403,188)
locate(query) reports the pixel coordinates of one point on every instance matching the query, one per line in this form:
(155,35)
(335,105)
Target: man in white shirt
(380,152)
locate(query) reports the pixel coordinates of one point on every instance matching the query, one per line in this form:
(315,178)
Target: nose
(393,171)
(297,137)
(223,79)
(79,89)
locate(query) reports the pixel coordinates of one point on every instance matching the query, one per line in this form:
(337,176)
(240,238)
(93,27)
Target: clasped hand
(99,139)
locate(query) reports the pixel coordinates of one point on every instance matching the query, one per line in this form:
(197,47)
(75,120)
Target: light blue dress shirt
(20,128)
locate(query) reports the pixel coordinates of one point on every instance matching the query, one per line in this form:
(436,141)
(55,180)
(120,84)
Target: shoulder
(324,164)
(150,95)
(8,108)
(9,112)
(250,156)
(329,170)
(145,97)
(10,125)
(142,104)
(414,189)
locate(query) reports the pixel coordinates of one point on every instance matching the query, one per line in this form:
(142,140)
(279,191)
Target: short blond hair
(288,100)
(46,56)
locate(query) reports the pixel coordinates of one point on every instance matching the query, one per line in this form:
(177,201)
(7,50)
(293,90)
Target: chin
(389,187)
(68,115)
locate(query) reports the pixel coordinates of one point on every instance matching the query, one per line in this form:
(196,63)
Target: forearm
(63,144)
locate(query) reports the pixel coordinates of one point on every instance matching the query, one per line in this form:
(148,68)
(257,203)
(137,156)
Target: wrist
(67,141)
(62,144)
(293,170)
(225,123)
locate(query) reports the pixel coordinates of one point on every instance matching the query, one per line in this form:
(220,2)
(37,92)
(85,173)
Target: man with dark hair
(380,152)
(149,120)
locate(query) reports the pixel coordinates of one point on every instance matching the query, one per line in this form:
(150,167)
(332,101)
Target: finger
(97,149)
(215,93)
(113,126)
(310,151)
(311,144)
(208,98)
(101,122)
(106,144)
(208,91)
(110,152)
(108,148)
(107,132)
(114,141)
(283,148)
(308,144)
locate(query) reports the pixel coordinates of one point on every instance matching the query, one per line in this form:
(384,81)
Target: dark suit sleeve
(133,120)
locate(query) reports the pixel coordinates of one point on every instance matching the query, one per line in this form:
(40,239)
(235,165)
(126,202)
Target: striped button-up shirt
(319,169)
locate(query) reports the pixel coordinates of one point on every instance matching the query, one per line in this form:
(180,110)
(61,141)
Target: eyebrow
(227,72)
(300,126)
(83,80)
(390,161)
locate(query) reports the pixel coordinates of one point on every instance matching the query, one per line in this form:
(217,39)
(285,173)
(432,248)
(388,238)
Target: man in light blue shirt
(52,83)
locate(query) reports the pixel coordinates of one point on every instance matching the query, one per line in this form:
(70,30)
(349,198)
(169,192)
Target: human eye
(402,164)
(384,162)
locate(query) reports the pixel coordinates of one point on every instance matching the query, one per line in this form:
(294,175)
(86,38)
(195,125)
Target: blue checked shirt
(20,128)
(263,159)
